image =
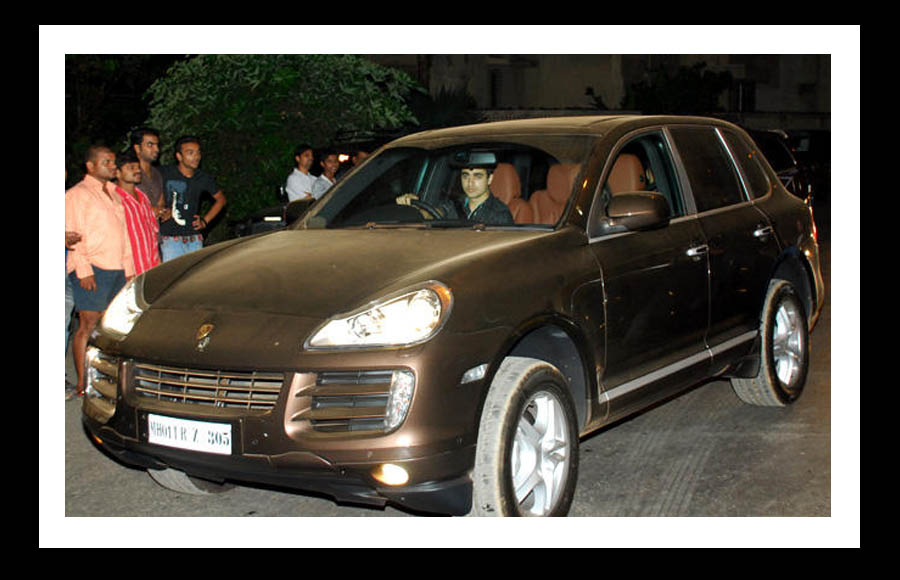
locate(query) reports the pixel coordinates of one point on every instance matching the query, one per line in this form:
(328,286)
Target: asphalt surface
(703,454)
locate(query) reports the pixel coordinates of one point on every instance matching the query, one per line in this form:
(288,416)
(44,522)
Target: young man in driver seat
(479,204)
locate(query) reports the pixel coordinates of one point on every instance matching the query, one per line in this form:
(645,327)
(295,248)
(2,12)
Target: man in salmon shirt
(99,265)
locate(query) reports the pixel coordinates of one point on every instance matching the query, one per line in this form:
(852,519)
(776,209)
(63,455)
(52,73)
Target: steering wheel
(417,203)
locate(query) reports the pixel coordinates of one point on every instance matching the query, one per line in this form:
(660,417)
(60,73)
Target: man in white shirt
(300,183)
(330,166)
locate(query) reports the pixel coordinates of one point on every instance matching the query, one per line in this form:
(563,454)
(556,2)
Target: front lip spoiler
(452,497)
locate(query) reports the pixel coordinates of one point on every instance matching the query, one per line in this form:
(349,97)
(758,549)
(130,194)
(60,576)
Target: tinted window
(710,172)
(748,158)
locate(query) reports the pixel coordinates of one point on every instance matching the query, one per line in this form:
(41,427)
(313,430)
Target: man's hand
(88,283)
(72,238)
(199,223)
(406,198)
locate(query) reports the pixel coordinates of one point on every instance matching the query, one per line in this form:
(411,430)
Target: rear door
(741,245)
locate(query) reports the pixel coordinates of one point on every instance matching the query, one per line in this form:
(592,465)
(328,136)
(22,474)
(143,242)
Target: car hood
(316,273)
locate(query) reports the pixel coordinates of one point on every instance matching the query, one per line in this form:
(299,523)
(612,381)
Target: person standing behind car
(145,144)
(98,265)
(184,185)
(300,182)
(357,157)
(140,216)
(323,183)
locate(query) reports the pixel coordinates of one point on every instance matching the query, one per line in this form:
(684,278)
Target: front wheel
(526,461)
(784,351)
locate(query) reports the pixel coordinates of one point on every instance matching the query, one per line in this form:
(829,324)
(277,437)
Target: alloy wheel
(541,454)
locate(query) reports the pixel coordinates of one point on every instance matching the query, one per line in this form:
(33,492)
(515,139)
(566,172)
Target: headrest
(627,174)
(505,183)
(560,179)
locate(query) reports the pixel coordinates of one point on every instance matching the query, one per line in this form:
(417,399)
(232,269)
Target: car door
(655,284)
(742,248)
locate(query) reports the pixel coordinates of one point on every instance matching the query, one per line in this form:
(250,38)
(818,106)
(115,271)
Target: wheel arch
(793,267)
(556,340)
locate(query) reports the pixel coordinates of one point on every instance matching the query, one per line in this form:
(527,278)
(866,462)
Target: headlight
(407,319)
(125,309)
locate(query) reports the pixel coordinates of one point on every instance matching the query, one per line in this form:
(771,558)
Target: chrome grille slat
(256,390)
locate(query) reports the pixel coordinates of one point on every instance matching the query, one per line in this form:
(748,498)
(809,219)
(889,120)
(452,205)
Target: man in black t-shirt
(184,186)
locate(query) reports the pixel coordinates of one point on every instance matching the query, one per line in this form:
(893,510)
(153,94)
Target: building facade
(764,91)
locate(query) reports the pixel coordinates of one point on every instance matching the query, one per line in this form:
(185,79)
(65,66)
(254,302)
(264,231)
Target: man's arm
(75,223)
(200,223)
(297,188)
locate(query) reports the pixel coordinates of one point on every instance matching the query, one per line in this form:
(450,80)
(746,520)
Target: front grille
(349,401)
(255,390)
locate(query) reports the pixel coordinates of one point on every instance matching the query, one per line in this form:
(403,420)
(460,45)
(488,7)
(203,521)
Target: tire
(784,351)
(181,482)
(526,458)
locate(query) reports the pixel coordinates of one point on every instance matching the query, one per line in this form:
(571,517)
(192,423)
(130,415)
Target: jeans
(175,246)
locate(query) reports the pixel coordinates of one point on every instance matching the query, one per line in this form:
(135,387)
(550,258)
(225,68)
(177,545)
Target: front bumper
(302,471)
(286,445)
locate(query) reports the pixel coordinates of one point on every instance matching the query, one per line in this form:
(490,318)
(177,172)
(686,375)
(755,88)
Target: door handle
(762,232)
(698,251)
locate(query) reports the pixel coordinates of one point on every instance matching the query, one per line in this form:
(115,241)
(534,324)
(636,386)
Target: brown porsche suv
(419,339)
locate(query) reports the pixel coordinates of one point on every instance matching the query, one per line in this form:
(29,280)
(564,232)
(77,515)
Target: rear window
(748,159)
(713,181)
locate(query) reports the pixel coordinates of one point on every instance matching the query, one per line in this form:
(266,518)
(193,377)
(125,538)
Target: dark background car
(812,149)
(794,175)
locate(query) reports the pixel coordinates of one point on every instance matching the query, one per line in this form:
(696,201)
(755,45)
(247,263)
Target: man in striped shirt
(139,213)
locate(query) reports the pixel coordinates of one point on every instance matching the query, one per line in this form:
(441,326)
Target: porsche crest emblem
(203,335)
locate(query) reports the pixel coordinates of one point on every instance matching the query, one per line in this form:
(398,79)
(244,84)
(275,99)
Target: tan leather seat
(506,187)
(548,204)
(627,175)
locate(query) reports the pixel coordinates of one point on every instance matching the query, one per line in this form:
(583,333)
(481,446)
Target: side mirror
(633,211)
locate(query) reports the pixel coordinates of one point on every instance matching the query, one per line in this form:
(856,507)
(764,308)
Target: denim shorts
(109,282)
(172,247)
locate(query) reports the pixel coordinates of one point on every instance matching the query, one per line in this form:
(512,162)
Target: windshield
(522,181)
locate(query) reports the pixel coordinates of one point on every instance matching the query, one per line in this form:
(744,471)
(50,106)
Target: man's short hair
(127,156)
(299,149)
(93,151)
(186,139)
(137,136)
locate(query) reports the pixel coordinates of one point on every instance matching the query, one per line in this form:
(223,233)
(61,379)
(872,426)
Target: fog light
(390,474)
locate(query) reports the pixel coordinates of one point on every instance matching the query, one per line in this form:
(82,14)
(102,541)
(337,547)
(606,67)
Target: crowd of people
(130,214)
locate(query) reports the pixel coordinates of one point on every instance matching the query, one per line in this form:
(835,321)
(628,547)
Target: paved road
(702,454)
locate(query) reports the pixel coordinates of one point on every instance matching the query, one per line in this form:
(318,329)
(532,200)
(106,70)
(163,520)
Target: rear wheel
(181,482)
(784,351)
(527,453)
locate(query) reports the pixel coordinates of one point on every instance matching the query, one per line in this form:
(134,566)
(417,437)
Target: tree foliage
(250,111)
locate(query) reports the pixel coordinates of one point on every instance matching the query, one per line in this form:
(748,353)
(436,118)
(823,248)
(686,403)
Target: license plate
(192,435)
